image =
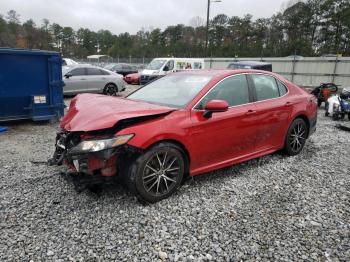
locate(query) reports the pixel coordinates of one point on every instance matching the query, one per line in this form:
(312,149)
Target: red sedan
(184,124)
(132,78)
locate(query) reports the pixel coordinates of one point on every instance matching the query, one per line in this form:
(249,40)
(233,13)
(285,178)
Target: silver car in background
(91,79)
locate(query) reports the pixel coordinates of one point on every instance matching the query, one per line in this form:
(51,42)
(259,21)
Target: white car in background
(68,62)
(162,66)
(91,79)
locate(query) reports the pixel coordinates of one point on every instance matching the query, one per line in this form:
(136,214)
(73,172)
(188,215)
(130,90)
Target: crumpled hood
(90,112)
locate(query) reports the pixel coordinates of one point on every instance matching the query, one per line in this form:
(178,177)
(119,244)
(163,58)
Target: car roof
(221,72)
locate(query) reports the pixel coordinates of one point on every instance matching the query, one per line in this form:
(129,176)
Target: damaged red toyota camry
(184,124)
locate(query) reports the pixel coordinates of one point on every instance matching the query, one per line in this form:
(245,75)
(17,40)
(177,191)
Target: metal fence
(139,62)
(304,71)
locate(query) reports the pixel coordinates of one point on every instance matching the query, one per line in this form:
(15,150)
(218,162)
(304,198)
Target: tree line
(307,28)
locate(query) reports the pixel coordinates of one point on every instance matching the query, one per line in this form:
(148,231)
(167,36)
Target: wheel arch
(110,82)
(306,119)
(183,148)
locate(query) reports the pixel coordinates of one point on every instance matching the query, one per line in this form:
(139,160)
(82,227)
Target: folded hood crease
(92,112)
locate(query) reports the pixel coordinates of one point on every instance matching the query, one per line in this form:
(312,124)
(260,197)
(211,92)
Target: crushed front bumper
(105,163)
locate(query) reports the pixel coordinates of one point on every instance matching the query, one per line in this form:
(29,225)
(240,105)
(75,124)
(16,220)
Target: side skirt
(233,161)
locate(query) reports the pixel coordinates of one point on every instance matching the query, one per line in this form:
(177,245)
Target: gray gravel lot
(272,208)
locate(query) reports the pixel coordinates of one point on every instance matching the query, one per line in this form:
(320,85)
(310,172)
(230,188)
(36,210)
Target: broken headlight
(89,146)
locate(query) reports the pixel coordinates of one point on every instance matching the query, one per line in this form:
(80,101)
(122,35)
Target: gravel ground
(273,208)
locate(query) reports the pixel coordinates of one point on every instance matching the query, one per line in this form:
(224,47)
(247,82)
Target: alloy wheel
(111,90)
(161,173)
(297,137)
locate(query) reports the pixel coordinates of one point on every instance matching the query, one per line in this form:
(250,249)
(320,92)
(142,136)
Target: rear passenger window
(265,86)
(281,87)
(93,71)
(78,71)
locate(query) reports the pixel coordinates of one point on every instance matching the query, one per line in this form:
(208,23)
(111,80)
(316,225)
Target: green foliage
(308,28)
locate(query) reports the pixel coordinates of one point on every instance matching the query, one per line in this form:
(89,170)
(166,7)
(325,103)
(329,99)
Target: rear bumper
(130,80)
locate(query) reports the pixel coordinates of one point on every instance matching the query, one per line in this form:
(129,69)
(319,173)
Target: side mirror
(68,75)
(215,106)
(166,68)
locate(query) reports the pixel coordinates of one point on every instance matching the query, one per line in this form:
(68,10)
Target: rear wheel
(110,89)
(157,173)
(296,137)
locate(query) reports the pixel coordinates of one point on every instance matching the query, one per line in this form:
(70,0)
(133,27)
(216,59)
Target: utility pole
(207,31)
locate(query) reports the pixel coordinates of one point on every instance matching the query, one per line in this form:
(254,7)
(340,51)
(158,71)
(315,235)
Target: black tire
(110,90)
(296,137)
(335,116)
(149,177)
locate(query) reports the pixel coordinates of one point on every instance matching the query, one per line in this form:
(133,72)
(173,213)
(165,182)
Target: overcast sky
(131,15)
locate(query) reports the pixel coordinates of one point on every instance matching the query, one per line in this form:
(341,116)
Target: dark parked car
(251,65)
(123,69)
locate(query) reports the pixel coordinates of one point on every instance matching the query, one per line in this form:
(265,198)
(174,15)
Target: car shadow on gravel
(116,190)
(237,170)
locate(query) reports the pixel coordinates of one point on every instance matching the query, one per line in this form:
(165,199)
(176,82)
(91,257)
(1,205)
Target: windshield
(172,90)
(156,64)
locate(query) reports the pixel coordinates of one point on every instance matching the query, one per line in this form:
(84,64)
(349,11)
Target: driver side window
(234,90)
(169,66)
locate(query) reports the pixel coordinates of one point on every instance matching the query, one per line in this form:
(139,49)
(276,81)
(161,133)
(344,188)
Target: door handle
(289,103)
(82,79)
(250,112)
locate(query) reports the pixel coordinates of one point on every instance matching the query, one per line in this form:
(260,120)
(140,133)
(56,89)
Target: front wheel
(296,137)
(110,90)
(157,173)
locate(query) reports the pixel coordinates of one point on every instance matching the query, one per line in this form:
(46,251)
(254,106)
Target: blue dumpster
(31,85)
